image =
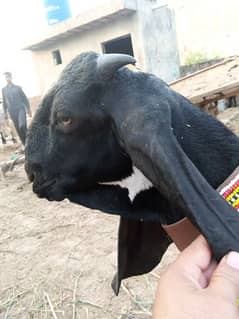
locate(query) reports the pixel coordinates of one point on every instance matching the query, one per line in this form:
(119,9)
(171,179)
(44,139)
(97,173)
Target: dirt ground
(57,260)
(231,119)
(63,255)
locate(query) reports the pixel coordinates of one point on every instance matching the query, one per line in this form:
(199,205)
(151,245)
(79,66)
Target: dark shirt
(14,99)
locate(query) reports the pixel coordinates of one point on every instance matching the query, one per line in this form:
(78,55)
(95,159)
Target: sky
(21,21)
(205,25)
(18,19)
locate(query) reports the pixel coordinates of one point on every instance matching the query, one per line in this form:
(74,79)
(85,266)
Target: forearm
(25,101)
(28,108)
(27,104)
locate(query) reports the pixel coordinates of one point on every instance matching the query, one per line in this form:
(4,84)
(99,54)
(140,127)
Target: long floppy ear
(153,148)
(108,64)
(141,238)
(141,245)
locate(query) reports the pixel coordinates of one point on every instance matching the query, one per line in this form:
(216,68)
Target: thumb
(225,279)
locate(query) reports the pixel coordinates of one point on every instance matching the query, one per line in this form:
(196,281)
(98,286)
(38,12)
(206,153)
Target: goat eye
(67,121)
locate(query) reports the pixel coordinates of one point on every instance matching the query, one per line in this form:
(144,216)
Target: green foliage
(198,57)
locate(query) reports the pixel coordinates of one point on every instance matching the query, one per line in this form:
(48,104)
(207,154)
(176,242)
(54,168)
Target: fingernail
(233,259)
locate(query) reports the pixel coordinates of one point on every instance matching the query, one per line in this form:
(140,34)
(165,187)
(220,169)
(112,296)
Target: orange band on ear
(182,232)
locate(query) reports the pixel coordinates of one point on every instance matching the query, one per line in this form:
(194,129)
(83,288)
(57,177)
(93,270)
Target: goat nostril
(41,187)
(33,171)
(31,177)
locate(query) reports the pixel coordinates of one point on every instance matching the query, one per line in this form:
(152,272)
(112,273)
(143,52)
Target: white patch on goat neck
(135,183)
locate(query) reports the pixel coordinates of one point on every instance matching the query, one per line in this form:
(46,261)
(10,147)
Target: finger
(209,272)
(195,263)
(191,267)
(197,253)
(225,280)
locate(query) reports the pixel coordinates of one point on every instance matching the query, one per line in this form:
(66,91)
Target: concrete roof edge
(82,21)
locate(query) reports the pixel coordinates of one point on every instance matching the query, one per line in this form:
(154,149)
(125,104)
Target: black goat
(100,124)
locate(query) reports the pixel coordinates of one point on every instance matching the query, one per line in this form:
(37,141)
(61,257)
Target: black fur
(134,119)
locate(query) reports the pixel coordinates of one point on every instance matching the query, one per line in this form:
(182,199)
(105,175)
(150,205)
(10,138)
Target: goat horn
(108,64)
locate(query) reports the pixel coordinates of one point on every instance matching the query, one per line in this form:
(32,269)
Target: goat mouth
(45,190)
(58,189)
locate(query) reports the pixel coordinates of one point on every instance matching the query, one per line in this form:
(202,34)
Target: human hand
(195,287)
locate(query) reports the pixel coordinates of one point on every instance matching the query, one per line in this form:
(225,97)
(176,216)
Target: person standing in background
(16,104)
(6,128)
